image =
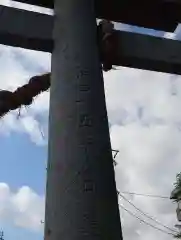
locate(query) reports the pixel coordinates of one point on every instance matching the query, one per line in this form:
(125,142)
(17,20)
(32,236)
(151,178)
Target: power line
(138,194)
(145,195)
(143,221)
(148,216)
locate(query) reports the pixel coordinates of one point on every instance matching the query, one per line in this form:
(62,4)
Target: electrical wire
(145,195)
(143,221)
(146,215)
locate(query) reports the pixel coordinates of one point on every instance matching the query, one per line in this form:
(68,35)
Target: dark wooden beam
(149,53)
(21,28)
(161,15)
(25,29)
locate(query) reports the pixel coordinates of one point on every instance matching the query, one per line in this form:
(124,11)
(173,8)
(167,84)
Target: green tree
(177,235)
(176,195)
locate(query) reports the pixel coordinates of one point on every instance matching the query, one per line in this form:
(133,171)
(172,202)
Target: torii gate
(81,197)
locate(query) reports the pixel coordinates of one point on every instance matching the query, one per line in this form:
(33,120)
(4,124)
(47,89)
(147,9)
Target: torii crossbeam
(134,50)
(157,14)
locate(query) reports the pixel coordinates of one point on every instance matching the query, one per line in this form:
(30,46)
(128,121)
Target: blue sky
(146,117)
(24,163)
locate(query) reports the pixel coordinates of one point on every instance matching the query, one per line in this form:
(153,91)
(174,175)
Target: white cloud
(32,126)
(23,208)
(170,35)
(41,103)
(26,123)
(143,109)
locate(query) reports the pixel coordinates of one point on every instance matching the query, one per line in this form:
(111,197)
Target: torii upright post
(81,197)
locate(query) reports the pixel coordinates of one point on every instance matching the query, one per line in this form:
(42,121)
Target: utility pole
(81,198)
